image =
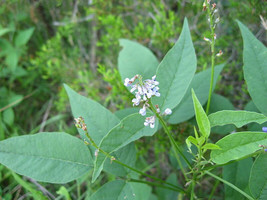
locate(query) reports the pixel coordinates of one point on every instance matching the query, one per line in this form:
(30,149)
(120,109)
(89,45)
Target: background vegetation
(44,44)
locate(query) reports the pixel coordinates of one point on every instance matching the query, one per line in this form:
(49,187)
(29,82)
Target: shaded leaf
(255,68)
(238,174)
(258,177)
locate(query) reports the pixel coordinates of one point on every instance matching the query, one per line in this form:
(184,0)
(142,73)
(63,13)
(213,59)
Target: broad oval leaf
(238,145)
(200,84)
(121,190)
(128,130)
(98,119)
(136,59)
(47,157)
(255,68)
(239,118)
(258,177)
(201,117)
(176,71)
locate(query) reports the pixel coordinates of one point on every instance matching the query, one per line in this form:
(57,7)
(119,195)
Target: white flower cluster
(144,90)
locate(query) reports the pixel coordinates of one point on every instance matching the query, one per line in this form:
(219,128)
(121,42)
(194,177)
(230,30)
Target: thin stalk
(212,30)
(129,167)
(230,185)
(173,143)
(214,189)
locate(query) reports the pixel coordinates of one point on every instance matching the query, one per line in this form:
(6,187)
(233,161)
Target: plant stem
(173,143)
(129,167)
(230,185)
(212,30)
(214,189)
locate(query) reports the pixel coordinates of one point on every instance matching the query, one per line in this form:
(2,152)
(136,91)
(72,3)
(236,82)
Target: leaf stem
(112,158)
(173,143)
(230,185)
(212,30)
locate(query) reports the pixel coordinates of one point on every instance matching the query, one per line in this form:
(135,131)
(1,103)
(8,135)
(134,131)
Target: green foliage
(176,69)
(200,84)
(238,118)
(258,180)
(255,67)
(201,117)
(238,145)
(47,157)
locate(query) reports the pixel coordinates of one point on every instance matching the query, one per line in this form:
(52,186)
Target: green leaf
(176,71)
(238,118)
(192,140)
(4,31)
(121,190)
(125,112)
(201,117)
(136,59)
(12,59)
(128,130)
(238,145)
(254,126)
(255,68)
(200,84)
(211,146)
(23,37)
(238,174)
(127,155)
(35,194)
(258,177)
(64,192)
(221,103)
(8,116)
(46,157)
(98,119)
(166,194)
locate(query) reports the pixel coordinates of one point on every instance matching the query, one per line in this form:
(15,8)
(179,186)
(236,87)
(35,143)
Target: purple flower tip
(265,150)
(264,129)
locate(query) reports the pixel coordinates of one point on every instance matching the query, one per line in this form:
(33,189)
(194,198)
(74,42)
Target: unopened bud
(213,5)
(206,39)
(204,6)
(96,152)
(215,36)
(217,20)
(112,159)
(219,54)
(208,1)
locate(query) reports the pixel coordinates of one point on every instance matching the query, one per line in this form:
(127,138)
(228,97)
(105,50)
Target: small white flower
(127,82)
(96,152)
(150,121)
(167,111)
(217,20)
(136,101)
(142,111)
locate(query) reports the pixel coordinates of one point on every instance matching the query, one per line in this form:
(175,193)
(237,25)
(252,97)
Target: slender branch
(173,143)
(212,30)
(230,185)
